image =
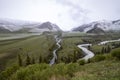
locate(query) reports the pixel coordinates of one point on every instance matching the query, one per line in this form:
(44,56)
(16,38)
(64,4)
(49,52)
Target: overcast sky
(65,13)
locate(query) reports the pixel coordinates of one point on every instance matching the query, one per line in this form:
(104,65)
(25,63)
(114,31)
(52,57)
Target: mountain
(46,26)
(8,25)
(3,30)
(102,25)
(96,30)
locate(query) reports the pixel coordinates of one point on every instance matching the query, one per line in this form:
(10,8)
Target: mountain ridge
(25,26)
(104,25)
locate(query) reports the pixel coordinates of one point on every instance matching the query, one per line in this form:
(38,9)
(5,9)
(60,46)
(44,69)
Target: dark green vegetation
(31,55)
(69,51)
(116,53)
(103,70)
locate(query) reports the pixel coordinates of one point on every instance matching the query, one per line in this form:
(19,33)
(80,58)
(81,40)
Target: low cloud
(75,12)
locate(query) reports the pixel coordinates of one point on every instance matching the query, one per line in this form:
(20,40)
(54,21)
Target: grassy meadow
(105,65)
(35,46)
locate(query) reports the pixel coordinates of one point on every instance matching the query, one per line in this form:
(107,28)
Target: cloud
(65,13)
(75,12)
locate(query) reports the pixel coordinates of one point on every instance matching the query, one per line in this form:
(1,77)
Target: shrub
(19,60)
(81,62)
(116,53)
(98,58)
(71,68)
(4,75)
(108,57)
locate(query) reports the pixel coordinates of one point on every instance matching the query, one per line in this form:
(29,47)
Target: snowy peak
(25,26)
(46,26)
(104,25)
(49,26)
(14,25)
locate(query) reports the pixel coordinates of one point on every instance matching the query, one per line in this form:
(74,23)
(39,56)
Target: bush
(116,53)
(81,62)
(98,58)
(109,57)
(4,75)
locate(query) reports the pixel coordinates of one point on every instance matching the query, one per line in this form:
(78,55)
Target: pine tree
(19,60)
(40,59)
(89,47)
(103,50)
(74,56)
(33,60)
(28,60)
(108,49)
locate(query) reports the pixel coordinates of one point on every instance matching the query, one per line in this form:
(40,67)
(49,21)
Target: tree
(19,60)
(28,60)
(33,60)
(81,62)
(108,49)
(75,56)
(40,59)
(89,47)
(103,50)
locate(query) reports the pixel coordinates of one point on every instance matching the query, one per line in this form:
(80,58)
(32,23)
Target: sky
(67,14)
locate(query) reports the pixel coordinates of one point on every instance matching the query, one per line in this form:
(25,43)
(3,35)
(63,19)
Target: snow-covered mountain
(47,26)
(7,25)
(104,25)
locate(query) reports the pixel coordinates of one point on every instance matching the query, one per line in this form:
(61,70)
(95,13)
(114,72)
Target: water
(54,51)
(89,54)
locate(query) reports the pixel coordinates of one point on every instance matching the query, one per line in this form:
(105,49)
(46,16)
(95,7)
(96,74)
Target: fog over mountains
(103,25)
(7,25)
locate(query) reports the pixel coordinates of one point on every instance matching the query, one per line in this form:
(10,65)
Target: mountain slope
(46,26)
(96,30)
(104,25)
(25,26)
(3,30)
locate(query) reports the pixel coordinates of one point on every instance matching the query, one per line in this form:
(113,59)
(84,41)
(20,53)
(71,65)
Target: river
(89,54)
(58,40)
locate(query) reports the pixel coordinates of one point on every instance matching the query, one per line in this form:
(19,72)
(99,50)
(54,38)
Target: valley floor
(28,58)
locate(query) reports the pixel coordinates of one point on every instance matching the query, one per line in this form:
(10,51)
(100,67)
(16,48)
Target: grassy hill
(104,66)
(103,70)
(34,46)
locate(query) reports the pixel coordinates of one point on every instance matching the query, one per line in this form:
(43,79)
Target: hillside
(3,30)
(96,30)
(31,45)
(26,26)
(29,58)
(104,25)
(104,70)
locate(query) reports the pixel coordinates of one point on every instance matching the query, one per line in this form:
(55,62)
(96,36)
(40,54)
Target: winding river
(89,54)
(54,51)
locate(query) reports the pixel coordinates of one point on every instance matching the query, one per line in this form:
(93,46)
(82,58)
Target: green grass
(34,46)
(104,70)
(103,66)
(74,34)
(97,48)
(69,47)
